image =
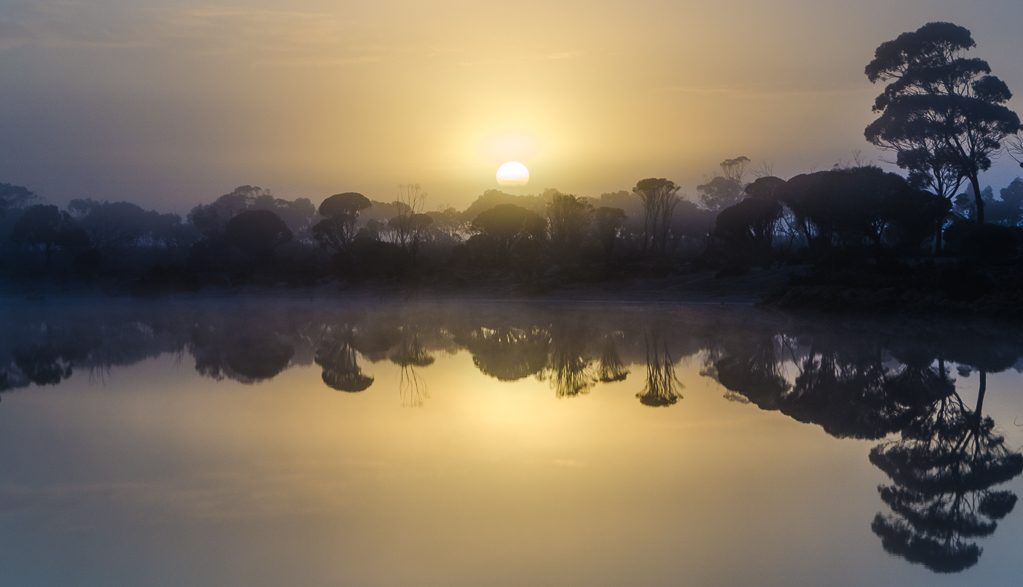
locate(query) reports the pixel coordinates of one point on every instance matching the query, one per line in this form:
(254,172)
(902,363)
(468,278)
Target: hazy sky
(168,103)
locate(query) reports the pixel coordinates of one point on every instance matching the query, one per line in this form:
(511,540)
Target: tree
(410,224)
(505,226)
(747,228)
(46,226)
(568,221)
(257,233)
(659,197)
(340,213)
(607,224)
(725,190)
(13,196)
(123,225)
(210,219)
(942,113)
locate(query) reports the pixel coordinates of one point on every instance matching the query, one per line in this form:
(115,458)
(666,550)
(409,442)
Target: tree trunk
(937,237)
(975,182)
(980,398)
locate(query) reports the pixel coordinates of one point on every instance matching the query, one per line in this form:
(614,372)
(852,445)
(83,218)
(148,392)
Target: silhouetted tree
(410,224)
(340,213)
(505,226)
(112,225)
(13,196)
(725,190)
(942,113)
(48,227)
(659,197)
(257,233)
(607,224)
(747,228)
(568,224)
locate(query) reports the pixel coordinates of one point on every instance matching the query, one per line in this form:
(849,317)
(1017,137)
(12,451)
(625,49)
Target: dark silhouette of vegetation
(662,386)
(852,238)
(943,470)
(13,196)
(341,371)
(941,112)
(948,459)
(659,197)
(340,214)
(257,233)
(47,227)
(889,383)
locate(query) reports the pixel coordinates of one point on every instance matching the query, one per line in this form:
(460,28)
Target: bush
(963,283)
(990,241)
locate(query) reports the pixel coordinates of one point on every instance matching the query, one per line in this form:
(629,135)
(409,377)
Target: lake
(286,442)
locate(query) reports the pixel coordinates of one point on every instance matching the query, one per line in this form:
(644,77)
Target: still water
(294,443)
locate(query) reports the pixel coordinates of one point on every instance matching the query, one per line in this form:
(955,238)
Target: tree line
(942,114)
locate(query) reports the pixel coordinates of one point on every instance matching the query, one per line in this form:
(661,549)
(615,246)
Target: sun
(512,173)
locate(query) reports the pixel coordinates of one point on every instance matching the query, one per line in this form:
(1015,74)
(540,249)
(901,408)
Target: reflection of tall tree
(337,357)
(245,354)
(568,371)
(943,469)
(43,365)
(845,393)
(611,368)
(508,353)
(409,355)
(662,386)
(755,373)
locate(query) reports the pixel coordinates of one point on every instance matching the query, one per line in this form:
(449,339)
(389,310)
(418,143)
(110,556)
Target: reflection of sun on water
(512,173)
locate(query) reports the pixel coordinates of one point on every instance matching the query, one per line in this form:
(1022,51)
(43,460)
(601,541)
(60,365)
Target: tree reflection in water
(508,353)
(411,354)
(611,368)
(662,386)
(246,351)
(568,368)
(337,357)
(943,469)
(947,460)
(872,382)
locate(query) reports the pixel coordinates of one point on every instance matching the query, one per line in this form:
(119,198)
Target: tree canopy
(942,113)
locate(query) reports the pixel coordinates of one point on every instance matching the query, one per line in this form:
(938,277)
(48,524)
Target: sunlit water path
(262,443)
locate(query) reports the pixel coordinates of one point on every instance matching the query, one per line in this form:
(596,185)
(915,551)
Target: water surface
(287,443)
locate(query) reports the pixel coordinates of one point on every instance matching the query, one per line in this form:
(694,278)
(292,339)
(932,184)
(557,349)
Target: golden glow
(367,95)
(512,173)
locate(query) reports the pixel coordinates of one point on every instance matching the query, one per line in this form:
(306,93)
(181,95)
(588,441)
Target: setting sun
(512,173)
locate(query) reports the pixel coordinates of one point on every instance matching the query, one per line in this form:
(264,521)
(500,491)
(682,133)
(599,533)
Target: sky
(169,103)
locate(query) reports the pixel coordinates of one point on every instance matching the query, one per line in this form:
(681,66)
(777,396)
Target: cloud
(279,36)
(754,91)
